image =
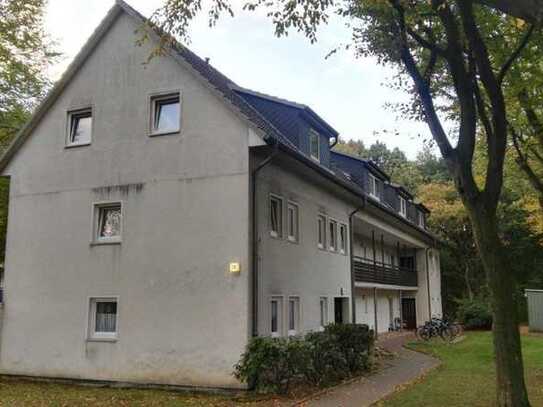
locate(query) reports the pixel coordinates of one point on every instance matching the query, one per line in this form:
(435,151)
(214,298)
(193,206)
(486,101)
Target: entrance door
(409,313)
(338,310)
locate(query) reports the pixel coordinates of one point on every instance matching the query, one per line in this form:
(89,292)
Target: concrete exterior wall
(299,269)
(183,318)
(365,308)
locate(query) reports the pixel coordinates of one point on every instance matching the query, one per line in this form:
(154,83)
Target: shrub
(475,314)
(318,358)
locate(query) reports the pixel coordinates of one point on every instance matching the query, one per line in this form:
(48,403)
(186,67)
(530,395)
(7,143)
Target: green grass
(466,376)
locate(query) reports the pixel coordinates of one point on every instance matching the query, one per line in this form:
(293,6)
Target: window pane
(314,145)
(80,130)
(322,230)
(292,315)
(343,238)
(274,316)
(323,311)
(275,216)
(106,317)
(167,114)
(110,222)
(333,235)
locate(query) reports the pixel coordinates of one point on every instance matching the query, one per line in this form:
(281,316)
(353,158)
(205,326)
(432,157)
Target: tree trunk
(511,388)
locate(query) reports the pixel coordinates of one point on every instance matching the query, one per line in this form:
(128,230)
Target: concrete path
(404,368)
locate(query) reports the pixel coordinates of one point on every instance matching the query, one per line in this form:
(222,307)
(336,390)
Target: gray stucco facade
(190,279)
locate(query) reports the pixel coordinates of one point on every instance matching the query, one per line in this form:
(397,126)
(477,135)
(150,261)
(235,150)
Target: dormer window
(403,207)
(374,192)
(314,145)
(421,220)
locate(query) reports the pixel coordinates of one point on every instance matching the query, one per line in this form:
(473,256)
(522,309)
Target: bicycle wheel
(424,333)
(447,334)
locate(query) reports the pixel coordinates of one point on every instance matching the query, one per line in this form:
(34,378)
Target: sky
(349,93)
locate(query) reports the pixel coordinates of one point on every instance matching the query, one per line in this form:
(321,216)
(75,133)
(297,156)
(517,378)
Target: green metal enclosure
(535,310)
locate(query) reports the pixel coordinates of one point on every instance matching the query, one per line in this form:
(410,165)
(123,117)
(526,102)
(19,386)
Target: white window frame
(279,301)
(273,233)
(92,335)
(333,238)
(343,243)
(154,100)
(321,217)
(97,207)
(403,206)
(294,300)
(373,186)
(323,312)
(72,114)
(312,135)
(421,220)
(293,208)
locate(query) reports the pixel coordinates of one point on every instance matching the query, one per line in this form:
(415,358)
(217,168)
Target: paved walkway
(404,368)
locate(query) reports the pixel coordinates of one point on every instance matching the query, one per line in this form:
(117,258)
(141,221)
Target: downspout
(336,140)
(265,162)
(351,256)
(428,285)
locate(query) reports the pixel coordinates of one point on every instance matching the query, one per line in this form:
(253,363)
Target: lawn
(466,377)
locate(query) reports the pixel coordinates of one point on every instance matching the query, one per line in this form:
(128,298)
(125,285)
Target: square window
(321,225)
(108,222)
(165,114)
(332,233)
(276,217)
(80,127)
(103,323)
(276,305)
(343,239)
(293,315)
(323,312)
(314,145)
(292,222)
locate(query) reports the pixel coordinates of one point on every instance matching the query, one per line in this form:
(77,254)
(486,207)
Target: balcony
(369,271)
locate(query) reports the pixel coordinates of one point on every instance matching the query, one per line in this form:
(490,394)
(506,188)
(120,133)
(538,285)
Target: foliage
(475,313)
(318,358)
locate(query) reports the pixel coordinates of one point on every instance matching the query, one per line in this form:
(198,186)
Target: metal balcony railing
(370,271)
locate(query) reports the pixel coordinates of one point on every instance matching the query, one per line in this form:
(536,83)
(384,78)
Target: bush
(475,314)
(318,358)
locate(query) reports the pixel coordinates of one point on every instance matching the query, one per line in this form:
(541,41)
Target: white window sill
(375,197)
(77,145)
(292,239)
(103,339)
(292,333)
(316,159)
(275,335)
(321,247)
(164,133)
(105,242)
(275,235)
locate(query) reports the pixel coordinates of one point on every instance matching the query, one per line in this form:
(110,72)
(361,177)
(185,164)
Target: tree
(25,53)
(447,49)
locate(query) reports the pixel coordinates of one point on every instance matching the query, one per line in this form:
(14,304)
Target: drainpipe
(428,285)
(351,256)
(265,162)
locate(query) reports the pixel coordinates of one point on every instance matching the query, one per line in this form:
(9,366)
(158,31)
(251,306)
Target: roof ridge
(270,97)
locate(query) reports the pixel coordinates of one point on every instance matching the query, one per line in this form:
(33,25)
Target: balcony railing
(368,271)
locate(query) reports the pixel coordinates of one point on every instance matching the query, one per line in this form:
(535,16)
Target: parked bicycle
(438,327)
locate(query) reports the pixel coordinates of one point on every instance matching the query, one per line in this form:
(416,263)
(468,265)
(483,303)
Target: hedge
(318,358)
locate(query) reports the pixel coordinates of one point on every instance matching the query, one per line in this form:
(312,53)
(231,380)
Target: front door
(409,313)
(338,310)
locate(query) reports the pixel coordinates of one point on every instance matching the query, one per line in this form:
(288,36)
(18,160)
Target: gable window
(275,316)
(293,315)
(323,312)
(276,216)
(314,145)
(321,224)
(103,324)
(80,127)
(374,186)
(421,220)
(332,233)
(403,207)
(292,222)
(343,238)
(165,114)
(108,222)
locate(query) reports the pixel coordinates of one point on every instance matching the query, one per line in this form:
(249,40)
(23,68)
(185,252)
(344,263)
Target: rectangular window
(403,207)
(275,316)
(292,222)
(108,222)
(293,315)
(103,322)
(323,312)
(80,127)
(1,286)
(332,233)
(421,219)
(321,224)
(343,239)
(373,186)
(314,145)
(276,216)
(165,114)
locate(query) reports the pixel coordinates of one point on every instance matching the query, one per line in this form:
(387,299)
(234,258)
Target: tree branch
(522,44)
(432,46)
